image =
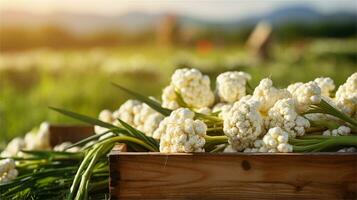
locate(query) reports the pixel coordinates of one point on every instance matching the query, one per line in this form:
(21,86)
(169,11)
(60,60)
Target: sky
(208,9)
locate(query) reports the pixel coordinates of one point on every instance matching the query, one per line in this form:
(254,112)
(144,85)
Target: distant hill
(138,21)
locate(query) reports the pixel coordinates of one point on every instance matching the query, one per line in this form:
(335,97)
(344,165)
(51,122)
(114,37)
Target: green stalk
(180,100)
(327,142)
(98,152)
(216,139)
(208,118)
(326,108)
(295,141)
(133,140)
(91,159)
(99,185)
(214,129)
(79,172)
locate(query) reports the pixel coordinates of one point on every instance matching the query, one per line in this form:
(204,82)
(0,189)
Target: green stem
(326,108)
(210,118)
(328,142)
(301,142)
(76,179)
(82,191)
(215,140)
(133,140)
(214,129)
(106,145)
(89,160)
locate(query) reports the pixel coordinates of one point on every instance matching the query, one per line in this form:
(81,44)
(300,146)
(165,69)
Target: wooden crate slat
(233,176)
(69,133)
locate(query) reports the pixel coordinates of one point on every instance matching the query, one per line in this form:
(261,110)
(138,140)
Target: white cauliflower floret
(169,98)
(180,133)
(348,150)
(305,94)
(39,139)
(258,146)
(222,108)
(127,111)
(64,145)
(340,131)
(147,120)
(231,86)
(346,96)
(283,115)
(267,94)
(139,115)
(105,116)
(243,123)
(14,147)
(133,112)
(193,87)
(8,170)
(326,85)
(293,87)
(276,140)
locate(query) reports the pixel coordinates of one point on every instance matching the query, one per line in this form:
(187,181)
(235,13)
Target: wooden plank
(64,133)
(233,176)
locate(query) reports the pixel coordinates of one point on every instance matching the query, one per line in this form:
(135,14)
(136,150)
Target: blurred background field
(68,57)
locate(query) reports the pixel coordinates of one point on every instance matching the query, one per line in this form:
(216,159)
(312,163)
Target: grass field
(79,80)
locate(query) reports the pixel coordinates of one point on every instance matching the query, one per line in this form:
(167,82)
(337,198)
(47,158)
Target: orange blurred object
(204,46)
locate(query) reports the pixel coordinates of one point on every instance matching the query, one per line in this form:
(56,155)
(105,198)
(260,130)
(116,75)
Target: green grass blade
(91,138)
(53,154)
(153,104)
(84,118)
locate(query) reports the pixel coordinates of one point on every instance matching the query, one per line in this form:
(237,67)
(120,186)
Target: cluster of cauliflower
(231,86)
(284,115)
(305,94)
(243,124)
(8,171)
(192,86)
(340,131)
(180,132)
(268,95)
(275,140)
(36,139)
(135,113)
(261,121)
(346,96)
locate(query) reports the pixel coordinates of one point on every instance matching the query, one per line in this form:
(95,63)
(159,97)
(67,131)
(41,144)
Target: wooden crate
(69,133)
(233,176)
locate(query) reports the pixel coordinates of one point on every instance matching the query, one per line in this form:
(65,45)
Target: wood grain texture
(62,133)
(233,176)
